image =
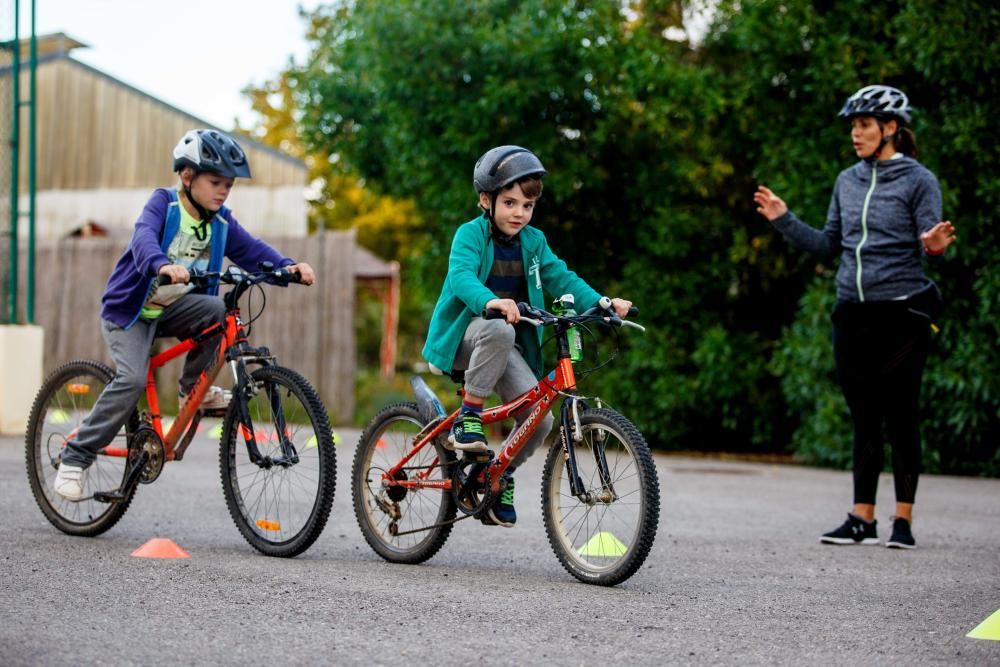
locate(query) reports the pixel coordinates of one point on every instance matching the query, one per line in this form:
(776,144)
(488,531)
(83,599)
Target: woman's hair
(905,141)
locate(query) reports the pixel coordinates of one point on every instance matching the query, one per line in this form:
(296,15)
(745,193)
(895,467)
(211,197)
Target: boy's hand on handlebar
(175,272)
(621,306)
(306,274)
(506,306)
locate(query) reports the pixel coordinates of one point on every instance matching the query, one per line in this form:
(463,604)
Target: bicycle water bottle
(564,306)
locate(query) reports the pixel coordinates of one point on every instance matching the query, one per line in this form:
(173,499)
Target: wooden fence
(310,330)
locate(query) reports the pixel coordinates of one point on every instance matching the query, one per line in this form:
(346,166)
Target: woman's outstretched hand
(769,204)
(938,238)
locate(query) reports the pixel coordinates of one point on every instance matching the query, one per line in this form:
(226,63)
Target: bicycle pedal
(214,412)
(478,457)
(110,497)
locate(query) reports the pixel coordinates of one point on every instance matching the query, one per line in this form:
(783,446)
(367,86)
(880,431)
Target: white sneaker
(70,481)
(216,398)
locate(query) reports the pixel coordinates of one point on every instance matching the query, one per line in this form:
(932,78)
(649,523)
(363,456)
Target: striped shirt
(506,278)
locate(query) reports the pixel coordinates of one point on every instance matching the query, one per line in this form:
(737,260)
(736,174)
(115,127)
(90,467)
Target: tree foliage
(654,146)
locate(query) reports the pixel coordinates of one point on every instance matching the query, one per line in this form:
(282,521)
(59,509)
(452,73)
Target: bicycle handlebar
(538,317)
(235,275)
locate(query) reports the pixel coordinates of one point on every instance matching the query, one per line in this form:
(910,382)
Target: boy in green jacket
(497,260)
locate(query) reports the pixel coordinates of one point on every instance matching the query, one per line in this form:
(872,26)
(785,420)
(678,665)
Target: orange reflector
(265,524)
(78,388)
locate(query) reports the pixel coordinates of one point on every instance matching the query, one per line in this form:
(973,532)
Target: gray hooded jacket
(877,213)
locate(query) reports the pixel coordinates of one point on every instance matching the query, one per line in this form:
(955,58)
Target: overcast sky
(193,54)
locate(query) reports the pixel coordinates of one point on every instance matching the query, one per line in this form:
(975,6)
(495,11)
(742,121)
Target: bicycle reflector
(266,524)
(78,388)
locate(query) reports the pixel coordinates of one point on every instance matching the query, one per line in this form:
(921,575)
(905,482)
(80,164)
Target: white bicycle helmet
(882,102)
(211,150)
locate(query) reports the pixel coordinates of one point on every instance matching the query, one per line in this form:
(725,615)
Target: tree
(654,147)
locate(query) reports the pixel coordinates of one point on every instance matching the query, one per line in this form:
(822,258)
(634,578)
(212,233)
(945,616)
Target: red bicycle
(600,490)
(276,455)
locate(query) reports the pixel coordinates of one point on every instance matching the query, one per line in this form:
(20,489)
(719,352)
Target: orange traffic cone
(160,547)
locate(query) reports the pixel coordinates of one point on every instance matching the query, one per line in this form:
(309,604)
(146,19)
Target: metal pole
(15,134)
(32,118)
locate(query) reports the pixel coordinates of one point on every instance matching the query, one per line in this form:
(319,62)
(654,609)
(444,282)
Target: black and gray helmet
(503,165)
(882,102)
(211,150)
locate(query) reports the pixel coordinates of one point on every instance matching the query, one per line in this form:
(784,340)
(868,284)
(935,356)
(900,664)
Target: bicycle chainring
(146,440)
(469,488)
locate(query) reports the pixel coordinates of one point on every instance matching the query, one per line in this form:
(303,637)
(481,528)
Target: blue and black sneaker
(503,513)
(467,433)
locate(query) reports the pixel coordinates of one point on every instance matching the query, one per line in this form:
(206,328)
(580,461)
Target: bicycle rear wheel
(604,538)
(281,503)
(64,400)
(401,525)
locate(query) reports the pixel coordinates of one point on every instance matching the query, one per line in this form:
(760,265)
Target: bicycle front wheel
(604,536)
(403,525)
(65,399)
(280,502)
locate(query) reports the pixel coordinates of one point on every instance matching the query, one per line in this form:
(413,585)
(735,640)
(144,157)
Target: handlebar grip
(493,314)
(163,279)
(605,304)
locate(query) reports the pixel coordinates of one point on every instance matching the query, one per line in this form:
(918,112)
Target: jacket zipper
(864,230)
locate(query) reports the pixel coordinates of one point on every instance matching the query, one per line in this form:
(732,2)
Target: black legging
(880,349)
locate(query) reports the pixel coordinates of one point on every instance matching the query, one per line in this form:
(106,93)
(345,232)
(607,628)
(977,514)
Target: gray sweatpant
(130,349)
(492,363)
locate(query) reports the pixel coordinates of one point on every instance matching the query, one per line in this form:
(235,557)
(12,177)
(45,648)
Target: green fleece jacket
(464,293)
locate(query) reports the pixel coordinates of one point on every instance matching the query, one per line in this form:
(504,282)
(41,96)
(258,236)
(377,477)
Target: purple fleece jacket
(132,276)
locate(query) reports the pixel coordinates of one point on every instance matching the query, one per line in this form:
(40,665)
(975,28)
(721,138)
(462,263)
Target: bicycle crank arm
(128,484)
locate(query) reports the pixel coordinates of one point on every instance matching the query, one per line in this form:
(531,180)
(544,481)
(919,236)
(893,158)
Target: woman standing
(883,216)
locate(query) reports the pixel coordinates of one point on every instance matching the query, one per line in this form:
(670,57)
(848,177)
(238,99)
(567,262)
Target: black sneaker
(854,531)
(902,536)
(467,433)
(502,513)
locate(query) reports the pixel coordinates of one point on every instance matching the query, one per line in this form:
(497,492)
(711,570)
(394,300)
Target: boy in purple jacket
(178,231)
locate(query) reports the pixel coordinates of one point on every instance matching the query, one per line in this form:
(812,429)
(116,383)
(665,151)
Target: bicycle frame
(540,398)
(234,348)
(188,414)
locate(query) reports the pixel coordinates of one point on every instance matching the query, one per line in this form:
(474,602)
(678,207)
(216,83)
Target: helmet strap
(878,150)
(204,214)
(495,231)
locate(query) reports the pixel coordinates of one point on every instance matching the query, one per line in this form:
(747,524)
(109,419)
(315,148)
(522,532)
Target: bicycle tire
(392,430)
(600,542)
(63,401)
(279,509)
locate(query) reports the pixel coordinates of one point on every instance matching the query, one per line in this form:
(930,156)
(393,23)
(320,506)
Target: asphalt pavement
(736,576)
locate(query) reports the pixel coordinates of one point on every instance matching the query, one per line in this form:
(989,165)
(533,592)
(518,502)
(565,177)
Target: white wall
(21,349)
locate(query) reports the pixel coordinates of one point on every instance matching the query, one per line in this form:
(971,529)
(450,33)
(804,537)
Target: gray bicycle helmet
(503,165)
(882,102)
(211,150)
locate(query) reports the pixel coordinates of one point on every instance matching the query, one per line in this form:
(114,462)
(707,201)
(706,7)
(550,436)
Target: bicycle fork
(571,433)
(244,390)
